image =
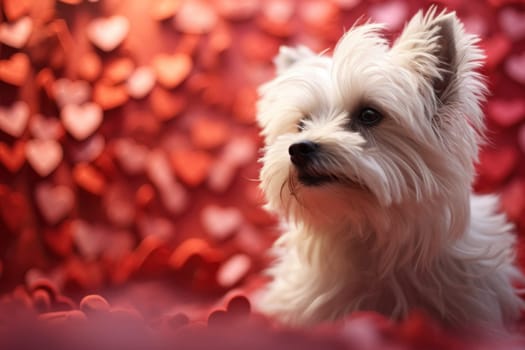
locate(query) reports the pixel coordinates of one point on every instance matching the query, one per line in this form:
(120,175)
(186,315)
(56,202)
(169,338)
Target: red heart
(319,15)
(89,178)
(81,121)
(194,247)
(14,9)
(172,70)
(118,70)
(237,11)
(59,241)
(13,158)
(14,209)
(166,105)
(108,33)
(89,66)
(164,9)
(67,92)
(108,96)
(17,33)
(244,105)
(13,120)
(506,112)
(191,166)
(54,202)
(43,155)
(94,304)
(15,70)
(208,133)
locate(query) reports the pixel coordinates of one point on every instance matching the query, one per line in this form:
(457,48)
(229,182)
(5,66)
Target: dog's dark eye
(369,117)
(300,125)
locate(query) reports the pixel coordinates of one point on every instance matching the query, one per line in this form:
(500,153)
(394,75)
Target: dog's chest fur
(324,279)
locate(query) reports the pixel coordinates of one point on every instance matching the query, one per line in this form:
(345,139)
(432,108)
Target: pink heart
(71,92)
(89,150)
(90,239)
(513,23)
(13,120)
(108,33)
(81,121)
(54,202)
(174,198)
(515,67)
(221,223)
(233,270)
(131,155)
(240,151)
(221,176)
(172,194)
(43,155)
(476,24)
(140,83)
(393,14)
(17,33)
(45,128)
(506,112)
(119,205)
(157,226)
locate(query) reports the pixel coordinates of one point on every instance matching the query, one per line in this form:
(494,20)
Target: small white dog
(369,160)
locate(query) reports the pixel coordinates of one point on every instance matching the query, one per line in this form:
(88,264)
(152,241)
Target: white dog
(369,160)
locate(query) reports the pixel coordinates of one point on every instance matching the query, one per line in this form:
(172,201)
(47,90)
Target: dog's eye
(300,125)
(369,117)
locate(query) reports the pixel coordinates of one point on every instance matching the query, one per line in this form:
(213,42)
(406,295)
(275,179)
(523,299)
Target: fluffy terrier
(369,160)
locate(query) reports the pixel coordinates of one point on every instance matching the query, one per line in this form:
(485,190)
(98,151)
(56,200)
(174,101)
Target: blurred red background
(128,147)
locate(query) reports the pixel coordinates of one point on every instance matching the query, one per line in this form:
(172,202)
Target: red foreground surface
(129,208)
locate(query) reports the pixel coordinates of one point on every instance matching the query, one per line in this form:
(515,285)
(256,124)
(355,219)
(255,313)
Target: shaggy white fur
(381,217)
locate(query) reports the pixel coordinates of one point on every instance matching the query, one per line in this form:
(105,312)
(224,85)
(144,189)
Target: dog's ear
(429,46)
(288,56)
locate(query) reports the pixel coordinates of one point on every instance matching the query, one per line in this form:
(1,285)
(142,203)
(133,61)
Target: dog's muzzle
(302,153)
(303,156)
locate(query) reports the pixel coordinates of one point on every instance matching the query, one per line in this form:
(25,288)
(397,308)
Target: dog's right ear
(288,56)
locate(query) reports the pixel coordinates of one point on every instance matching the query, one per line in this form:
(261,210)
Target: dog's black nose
(302,152)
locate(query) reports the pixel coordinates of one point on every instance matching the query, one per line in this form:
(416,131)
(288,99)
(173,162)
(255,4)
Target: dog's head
(376,124)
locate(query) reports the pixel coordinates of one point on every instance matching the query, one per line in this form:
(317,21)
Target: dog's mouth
(315,178)
(311,179)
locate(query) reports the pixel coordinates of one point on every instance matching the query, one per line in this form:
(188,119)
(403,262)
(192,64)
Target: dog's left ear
(288,56)
(428,47)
